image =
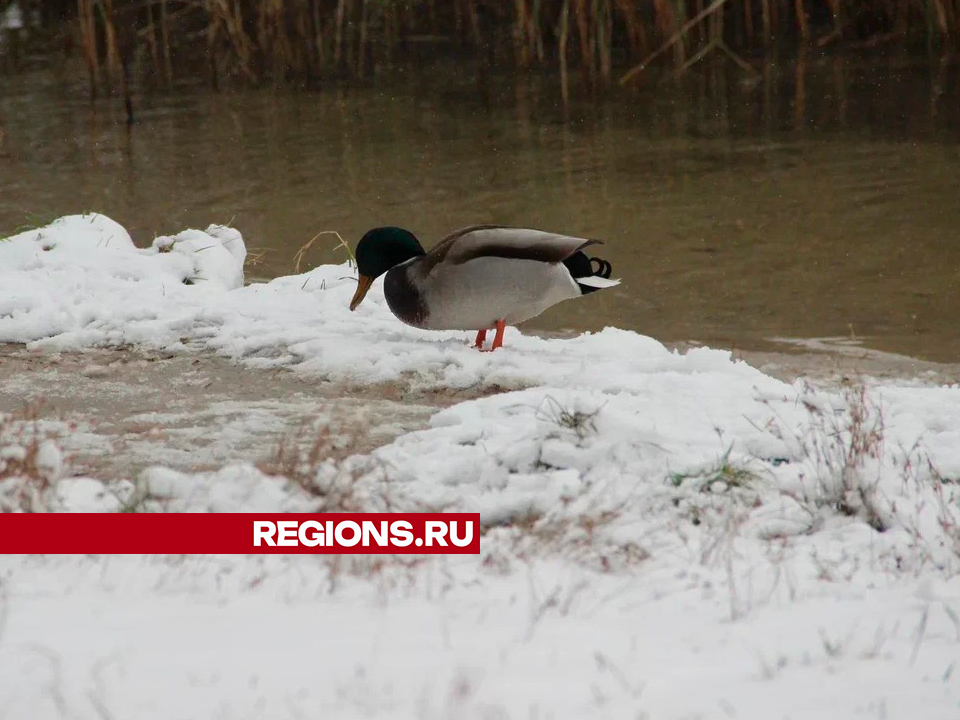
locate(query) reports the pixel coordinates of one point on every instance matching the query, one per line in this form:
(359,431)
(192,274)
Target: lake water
(822,199)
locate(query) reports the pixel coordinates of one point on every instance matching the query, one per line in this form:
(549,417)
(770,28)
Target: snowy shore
(667,535)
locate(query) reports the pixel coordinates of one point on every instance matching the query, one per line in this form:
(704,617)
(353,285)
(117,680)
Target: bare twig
(642,65)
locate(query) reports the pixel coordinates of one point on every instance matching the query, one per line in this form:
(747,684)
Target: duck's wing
(505,242)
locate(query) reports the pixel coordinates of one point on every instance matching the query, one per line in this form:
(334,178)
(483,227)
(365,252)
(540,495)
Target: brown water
(823,200)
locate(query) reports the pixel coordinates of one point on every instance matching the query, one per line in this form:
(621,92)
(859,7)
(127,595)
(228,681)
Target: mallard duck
(478,278)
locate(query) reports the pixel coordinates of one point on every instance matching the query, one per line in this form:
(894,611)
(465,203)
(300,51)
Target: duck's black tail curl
(581,266)
(603,267)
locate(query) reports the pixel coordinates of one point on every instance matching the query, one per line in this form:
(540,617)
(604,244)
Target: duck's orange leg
(498,338)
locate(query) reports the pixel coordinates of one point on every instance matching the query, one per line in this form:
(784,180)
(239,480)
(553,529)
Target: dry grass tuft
(254,258)
(581,422)
(582,535)
(311,459)
(30,462)
(846,446)
(719,477)
(298,257)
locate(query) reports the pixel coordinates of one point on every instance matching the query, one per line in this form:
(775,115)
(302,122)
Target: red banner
(236,533)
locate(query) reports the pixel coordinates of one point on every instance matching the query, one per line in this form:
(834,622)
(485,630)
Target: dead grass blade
(298,257)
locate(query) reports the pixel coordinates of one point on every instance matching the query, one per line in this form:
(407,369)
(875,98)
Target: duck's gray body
(480,275)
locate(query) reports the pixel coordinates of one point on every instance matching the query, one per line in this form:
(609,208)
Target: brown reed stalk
(151,35)
(767,21)
(604,34)
(117,57)
(701,31)
(941,14)
(362,49)
(165,41)
(88,38)
(230,15)
(586,41)
(301,37)
(316,32)
(521,48)
(636,37)
(338,33)
(801,16)
(213,33)
(475,22)
(112,65)
(390,31)
(279,52)
(799,97)
(564,34)
(351,43)
(536,32)
(834,6)
(667,21)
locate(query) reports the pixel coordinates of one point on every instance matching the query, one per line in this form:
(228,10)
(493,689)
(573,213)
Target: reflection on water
(821,200)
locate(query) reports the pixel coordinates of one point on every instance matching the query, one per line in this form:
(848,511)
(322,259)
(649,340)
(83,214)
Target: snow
(81,282)
(93,288)
(667,535)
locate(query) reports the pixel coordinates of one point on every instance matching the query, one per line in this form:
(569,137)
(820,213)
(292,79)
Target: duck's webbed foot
(481,338)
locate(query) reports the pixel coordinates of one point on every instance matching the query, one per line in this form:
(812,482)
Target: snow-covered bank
(80,282)
(284,638)
(666,535)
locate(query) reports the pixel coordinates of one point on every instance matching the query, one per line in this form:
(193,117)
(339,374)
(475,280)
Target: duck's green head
(378,251)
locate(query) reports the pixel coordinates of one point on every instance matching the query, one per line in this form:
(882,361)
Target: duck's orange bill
(363,285)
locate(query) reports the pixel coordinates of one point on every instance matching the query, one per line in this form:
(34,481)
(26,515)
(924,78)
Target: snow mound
(80,281)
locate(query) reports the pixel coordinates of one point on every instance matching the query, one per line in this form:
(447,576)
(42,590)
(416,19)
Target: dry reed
(302,41)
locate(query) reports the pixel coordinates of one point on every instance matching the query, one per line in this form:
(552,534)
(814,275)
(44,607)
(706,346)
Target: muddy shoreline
(131,409)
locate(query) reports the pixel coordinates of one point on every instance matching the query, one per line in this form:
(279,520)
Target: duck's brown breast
(403,298)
